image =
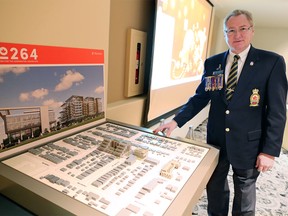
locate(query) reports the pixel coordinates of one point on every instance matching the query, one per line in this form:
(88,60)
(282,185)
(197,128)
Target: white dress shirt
(241,61)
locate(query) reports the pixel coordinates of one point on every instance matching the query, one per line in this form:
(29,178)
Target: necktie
(232,78)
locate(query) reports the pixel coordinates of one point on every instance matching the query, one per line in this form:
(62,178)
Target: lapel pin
(219,67)
(251,63)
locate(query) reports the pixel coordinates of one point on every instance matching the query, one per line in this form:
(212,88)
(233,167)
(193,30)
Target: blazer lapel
(222,92)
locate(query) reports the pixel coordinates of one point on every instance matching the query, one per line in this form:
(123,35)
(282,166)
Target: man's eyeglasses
(241,30)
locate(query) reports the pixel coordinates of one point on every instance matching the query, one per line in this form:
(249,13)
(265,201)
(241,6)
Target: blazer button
(227,112)
(227,129)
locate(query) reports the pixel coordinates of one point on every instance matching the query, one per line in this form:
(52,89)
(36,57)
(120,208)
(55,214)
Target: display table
(110,169)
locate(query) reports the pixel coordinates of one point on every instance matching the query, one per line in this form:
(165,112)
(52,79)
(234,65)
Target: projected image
(180,42)
(180,46)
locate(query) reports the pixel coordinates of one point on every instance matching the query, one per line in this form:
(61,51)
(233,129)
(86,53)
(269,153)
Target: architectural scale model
(114,169)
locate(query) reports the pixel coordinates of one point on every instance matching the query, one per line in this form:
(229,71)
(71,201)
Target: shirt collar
(242,55)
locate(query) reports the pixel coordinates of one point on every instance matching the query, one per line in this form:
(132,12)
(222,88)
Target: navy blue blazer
(250,123)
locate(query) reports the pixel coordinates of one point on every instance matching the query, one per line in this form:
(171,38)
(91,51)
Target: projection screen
(179,51)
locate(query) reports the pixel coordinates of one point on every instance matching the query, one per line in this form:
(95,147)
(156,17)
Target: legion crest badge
(254,98)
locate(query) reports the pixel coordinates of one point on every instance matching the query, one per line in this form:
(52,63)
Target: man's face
(238,33)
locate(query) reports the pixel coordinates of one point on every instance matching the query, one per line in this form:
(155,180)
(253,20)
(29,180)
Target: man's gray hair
(237,13)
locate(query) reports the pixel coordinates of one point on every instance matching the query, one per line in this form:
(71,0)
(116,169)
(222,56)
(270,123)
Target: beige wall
(125,14)
(274,39)
(70,23)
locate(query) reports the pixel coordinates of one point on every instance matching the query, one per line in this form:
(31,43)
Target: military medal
(255,98)
(220,81)
(208,84)
(213,83)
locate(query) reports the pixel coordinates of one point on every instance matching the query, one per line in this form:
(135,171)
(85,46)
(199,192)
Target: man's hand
(264,162)
(167,128)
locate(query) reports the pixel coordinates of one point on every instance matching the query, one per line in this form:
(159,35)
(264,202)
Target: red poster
(11,53)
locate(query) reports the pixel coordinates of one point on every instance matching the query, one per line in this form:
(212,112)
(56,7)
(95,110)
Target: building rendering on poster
(46,89)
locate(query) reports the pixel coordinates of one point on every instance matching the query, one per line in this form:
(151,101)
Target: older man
(247,88)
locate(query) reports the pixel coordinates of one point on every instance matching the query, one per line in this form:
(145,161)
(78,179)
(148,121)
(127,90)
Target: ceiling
(266,13)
